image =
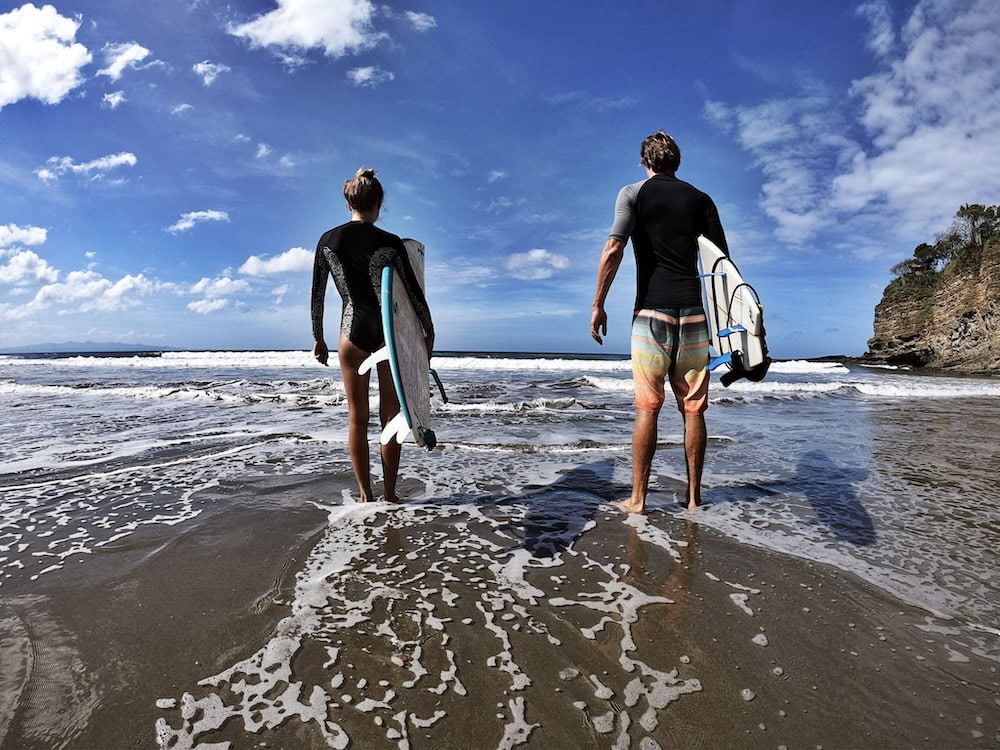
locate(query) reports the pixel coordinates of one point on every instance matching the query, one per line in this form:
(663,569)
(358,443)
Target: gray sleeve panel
(624,223)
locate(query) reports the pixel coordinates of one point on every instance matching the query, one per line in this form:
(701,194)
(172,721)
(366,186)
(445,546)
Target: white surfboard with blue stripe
(735,317)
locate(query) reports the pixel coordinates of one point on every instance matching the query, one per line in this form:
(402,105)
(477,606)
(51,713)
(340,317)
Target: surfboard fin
(380,355)
(722,359)
(739,370)
(731,330)
(395,428)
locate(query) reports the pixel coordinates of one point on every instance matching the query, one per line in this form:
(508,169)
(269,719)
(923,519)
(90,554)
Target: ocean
(880,473)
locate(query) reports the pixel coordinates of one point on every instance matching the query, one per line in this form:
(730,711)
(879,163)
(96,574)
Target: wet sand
(536,621)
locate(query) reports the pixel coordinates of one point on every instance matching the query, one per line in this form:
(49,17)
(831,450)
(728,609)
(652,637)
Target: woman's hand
(321,351)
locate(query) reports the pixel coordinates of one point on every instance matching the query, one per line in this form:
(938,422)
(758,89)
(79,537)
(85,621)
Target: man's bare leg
(695,439)
(388,407)
(356,387)
(643,449)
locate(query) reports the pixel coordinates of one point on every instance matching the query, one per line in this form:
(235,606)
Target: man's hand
(599,325)
(321,352)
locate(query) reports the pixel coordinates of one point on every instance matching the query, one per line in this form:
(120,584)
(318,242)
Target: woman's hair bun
(365,172)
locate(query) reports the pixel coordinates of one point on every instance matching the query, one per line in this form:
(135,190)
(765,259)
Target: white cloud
(209,71)
(206,306)
(370,76)
(499,204)
(180,108)
(114,99)
(590,101)
(26,264)
(40,58)
(536,264)
(338,27)
(95,169)
(11,234)
(91,291)
(291,261)
(496,174)
(421,21)
(922,142)
(188,220)
(263,150)
(221,286)
(881,36)
(118,57)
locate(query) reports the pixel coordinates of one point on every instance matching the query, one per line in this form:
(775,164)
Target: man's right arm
(611,259)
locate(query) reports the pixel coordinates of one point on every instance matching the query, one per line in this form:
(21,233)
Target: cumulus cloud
(206,306)
(90,291)
(221,286)
(119,57)
(209,71)
(536,264)
(181,108)
(496,174)
(370,76)
(188,220)
(27,265)
(41,57)
(291,261)
(12,234)
(263,150)
(338,27)
(114,99)
(215,293)
(421,21)
(57,166)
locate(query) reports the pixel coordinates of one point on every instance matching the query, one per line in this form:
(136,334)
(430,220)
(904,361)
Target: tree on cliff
(974,225)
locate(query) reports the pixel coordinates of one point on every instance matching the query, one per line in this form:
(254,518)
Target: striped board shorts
(671,344)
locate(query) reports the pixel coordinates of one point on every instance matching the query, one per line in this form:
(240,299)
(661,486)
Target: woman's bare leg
(356,387)
(388,407)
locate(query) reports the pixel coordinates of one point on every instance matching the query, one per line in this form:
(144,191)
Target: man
(663,217)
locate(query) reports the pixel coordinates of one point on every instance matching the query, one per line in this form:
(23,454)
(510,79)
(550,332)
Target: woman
(355,254)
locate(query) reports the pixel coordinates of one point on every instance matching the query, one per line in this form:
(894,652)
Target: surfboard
(406,352)
(735,317)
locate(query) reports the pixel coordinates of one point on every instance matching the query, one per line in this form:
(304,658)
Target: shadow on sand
(558,513)
(831,490)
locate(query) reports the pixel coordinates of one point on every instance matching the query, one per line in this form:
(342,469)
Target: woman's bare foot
(631,505)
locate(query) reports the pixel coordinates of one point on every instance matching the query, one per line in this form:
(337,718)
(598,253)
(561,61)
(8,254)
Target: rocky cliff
(949,320)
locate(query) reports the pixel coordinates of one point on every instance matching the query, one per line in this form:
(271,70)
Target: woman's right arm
(321,272)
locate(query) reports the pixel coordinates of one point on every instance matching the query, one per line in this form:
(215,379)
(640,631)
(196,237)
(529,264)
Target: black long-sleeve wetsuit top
(355,254)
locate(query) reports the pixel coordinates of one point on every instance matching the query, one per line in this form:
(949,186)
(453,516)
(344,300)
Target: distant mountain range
(85,346)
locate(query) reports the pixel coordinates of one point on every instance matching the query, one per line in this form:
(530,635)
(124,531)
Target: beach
(182,564)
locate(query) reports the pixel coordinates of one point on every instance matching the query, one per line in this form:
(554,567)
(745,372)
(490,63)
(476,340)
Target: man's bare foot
(391,498)
(631,505)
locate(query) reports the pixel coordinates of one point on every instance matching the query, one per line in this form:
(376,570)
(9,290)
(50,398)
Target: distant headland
(942,311)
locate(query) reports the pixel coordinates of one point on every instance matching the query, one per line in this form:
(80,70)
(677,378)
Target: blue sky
(165,173)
